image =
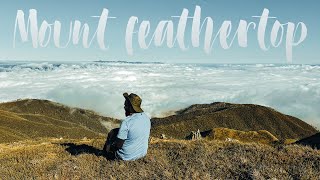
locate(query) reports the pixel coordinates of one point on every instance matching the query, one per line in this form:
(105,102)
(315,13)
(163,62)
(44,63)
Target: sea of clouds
(165,88)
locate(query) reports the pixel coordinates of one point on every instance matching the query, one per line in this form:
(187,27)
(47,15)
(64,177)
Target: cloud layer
(164,88)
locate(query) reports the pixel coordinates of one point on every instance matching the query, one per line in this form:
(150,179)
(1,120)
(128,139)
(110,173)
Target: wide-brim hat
(134,100)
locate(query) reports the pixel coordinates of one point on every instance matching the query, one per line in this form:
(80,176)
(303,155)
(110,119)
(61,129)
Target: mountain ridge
(244,117)
(34,118)
(30,118)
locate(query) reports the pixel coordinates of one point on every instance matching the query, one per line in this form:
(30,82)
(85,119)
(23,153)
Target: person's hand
(108,147)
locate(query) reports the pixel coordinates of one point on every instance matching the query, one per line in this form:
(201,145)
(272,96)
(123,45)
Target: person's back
(130,141)
(135,130)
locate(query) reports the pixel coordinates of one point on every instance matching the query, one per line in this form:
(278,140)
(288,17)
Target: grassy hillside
(262,136)
(32,118)
(166,159)
(31,147)
(244,117)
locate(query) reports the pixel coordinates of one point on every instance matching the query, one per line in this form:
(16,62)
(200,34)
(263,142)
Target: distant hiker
(130,141)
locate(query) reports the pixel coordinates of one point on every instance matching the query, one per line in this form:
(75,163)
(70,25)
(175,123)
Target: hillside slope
(41,154)
(166,159)
(261,136)
(244,117)
(33,118)
(312,141)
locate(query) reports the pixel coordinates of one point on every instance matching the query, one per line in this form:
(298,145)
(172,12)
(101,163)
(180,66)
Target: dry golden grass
(15,127)
(261,136)
(32,118)
(37,155)
(45,111)
(166,159)
(244,117)
(290,141)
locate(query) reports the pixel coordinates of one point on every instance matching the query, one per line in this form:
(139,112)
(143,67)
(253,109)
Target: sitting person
(130,141)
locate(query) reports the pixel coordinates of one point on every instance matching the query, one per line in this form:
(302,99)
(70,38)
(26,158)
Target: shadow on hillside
(312,141)
(75,149)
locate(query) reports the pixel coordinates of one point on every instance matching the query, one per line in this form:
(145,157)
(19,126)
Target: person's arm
(117,144)
(121,136)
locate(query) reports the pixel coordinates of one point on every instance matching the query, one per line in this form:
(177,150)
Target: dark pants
(111,138)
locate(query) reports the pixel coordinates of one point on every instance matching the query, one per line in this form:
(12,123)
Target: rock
(163,136)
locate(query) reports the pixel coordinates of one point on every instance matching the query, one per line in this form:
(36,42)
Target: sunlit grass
(166,159)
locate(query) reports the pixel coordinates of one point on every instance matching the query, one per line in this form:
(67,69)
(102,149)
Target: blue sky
(155,11)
